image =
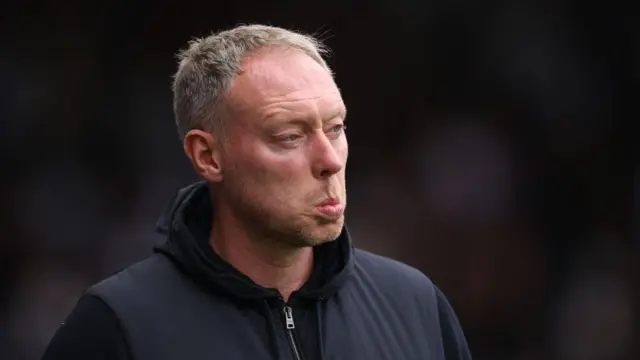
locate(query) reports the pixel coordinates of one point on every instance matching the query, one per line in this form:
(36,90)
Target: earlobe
(203,151)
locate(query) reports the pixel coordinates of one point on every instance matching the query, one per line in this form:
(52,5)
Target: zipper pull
(288,316)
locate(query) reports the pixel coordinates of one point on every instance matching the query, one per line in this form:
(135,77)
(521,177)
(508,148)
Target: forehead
(283,78)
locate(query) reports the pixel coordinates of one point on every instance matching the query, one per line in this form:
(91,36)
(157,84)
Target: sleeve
(454,341)
(91,331)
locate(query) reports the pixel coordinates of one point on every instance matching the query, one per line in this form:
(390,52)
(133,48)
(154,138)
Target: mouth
(330,202)
(330,209)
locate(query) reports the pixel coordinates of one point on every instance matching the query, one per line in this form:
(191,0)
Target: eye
(338,128)
(292,137)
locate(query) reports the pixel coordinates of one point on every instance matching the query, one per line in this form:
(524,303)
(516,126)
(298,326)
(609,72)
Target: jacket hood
(186,223)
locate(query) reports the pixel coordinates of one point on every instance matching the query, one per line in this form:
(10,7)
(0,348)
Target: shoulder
(387,274)
(408,289)
(130,275)
(138,283)
(389,269)
(90,331)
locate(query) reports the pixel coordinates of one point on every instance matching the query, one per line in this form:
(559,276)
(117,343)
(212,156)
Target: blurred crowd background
(489,148)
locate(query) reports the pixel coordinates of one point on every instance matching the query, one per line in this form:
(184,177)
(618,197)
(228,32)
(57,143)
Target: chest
(369,328)
(342,328)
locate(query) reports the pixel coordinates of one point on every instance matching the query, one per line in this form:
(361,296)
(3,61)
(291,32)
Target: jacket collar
(186,224)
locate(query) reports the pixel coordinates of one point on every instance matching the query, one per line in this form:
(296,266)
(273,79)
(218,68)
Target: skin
(285,153)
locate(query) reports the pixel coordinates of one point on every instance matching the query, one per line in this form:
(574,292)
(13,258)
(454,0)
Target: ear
(204,152)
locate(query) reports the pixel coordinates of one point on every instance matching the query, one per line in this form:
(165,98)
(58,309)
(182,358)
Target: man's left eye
(338,128)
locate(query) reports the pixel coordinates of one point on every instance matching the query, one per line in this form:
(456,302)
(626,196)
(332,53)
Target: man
(257,262)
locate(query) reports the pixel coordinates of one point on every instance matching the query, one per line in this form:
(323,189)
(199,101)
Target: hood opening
(187,224)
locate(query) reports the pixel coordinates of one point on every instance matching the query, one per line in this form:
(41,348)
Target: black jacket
(186,303)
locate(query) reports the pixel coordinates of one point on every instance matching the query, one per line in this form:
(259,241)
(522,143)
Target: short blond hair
(208,66)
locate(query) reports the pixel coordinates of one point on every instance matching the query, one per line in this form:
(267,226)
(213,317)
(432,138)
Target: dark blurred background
(489,148)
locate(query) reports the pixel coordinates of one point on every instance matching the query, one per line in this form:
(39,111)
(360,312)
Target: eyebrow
(342,112)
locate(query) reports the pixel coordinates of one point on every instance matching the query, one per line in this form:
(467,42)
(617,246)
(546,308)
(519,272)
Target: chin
(315,232)
(316,241)
(325,233)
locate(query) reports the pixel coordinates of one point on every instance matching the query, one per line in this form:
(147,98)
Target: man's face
(284,163)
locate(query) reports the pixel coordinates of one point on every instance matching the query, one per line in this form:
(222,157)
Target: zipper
(288,318)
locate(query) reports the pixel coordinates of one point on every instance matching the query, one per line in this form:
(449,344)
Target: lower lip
(331,211)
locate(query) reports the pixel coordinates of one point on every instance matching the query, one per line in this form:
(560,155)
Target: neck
(284,268)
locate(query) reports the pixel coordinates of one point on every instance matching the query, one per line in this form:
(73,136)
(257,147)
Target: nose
(329,156)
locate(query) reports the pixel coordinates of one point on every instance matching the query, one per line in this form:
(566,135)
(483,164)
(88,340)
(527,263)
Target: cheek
(344,149)
(341,145)
(275,172)
(273,169)
(275,183)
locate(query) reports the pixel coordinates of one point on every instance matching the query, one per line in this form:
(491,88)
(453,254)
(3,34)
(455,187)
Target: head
(262,120)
